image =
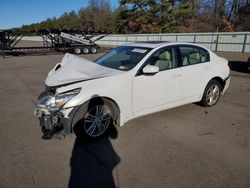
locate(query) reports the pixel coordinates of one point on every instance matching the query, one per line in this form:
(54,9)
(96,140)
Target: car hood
(73,68)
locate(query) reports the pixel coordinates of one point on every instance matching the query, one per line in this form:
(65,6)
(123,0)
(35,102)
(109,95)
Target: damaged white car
(132,80)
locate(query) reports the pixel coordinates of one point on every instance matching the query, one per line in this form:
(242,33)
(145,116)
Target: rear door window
(191,55)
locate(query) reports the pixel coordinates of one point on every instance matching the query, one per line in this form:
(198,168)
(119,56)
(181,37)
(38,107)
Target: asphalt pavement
(189,146)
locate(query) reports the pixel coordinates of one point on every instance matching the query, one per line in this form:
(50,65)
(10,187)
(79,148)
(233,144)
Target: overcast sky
(15,13)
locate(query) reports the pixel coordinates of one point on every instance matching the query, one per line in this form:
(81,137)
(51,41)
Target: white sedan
(132,80)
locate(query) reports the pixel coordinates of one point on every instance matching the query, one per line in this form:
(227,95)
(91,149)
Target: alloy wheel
(213,94)
(97,120)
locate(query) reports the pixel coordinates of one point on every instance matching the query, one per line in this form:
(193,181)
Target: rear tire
(93,119)
(211,94)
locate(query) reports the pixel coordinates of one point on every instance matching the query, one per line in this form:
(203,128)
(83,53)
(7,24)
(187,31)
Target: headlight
(54,103)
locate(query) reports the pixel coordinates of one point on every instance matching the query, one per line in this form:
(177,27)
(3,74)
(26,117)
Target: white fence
(232,42)
(223,41)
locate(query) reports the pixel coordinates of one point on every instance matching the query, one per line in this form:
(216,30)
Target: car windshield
(123,58)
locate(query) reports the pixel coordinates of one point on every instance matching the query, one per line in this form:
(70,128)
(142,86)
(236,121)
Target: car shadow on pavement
(92,162)
(239,66)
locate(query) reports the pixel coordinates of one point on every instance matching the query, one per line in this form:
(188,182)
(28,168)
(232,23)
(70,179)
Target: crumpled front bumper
(53,123)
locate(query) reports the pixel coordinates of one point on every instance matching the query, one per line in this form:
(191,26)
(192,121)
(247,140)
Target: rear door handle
(207,67)
(176,75)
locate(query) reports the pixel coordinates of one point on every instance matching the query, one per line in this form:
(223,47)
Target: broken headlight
(57,101)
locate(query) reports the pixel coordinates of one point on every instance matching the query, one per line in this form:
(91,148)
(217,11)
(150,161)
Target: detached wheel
(211,94)
(93,119)
(85,50)
(93,50)
(77,50)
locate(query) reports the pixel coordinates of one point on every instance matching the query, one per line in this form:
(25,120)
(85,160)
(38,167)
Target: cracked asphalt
(188,146)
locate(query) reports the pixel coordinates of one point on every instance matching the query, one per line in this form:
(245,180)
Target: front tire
(93,119)
(211,94)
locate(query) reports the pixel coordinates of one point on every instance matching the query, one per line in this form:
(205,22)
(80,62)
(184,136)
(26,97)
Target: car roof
(148,44)
(155,44)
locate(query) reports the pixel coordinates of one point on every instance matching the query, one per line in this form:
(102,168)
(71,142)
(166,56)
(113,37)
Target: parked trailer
(53,40)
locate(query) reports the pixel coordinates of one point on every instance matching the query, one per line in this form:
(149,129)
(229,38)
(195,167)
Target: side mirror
(150,69)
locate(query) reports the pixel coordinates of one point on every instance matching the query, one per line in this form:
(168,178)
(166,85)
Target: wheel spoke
(96,111)
(215,89)
(90,118)
(101,126)
(99,110)
(215,97)
(209,91)
(105,117)
(210,100)
(91,129)
(207,97)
